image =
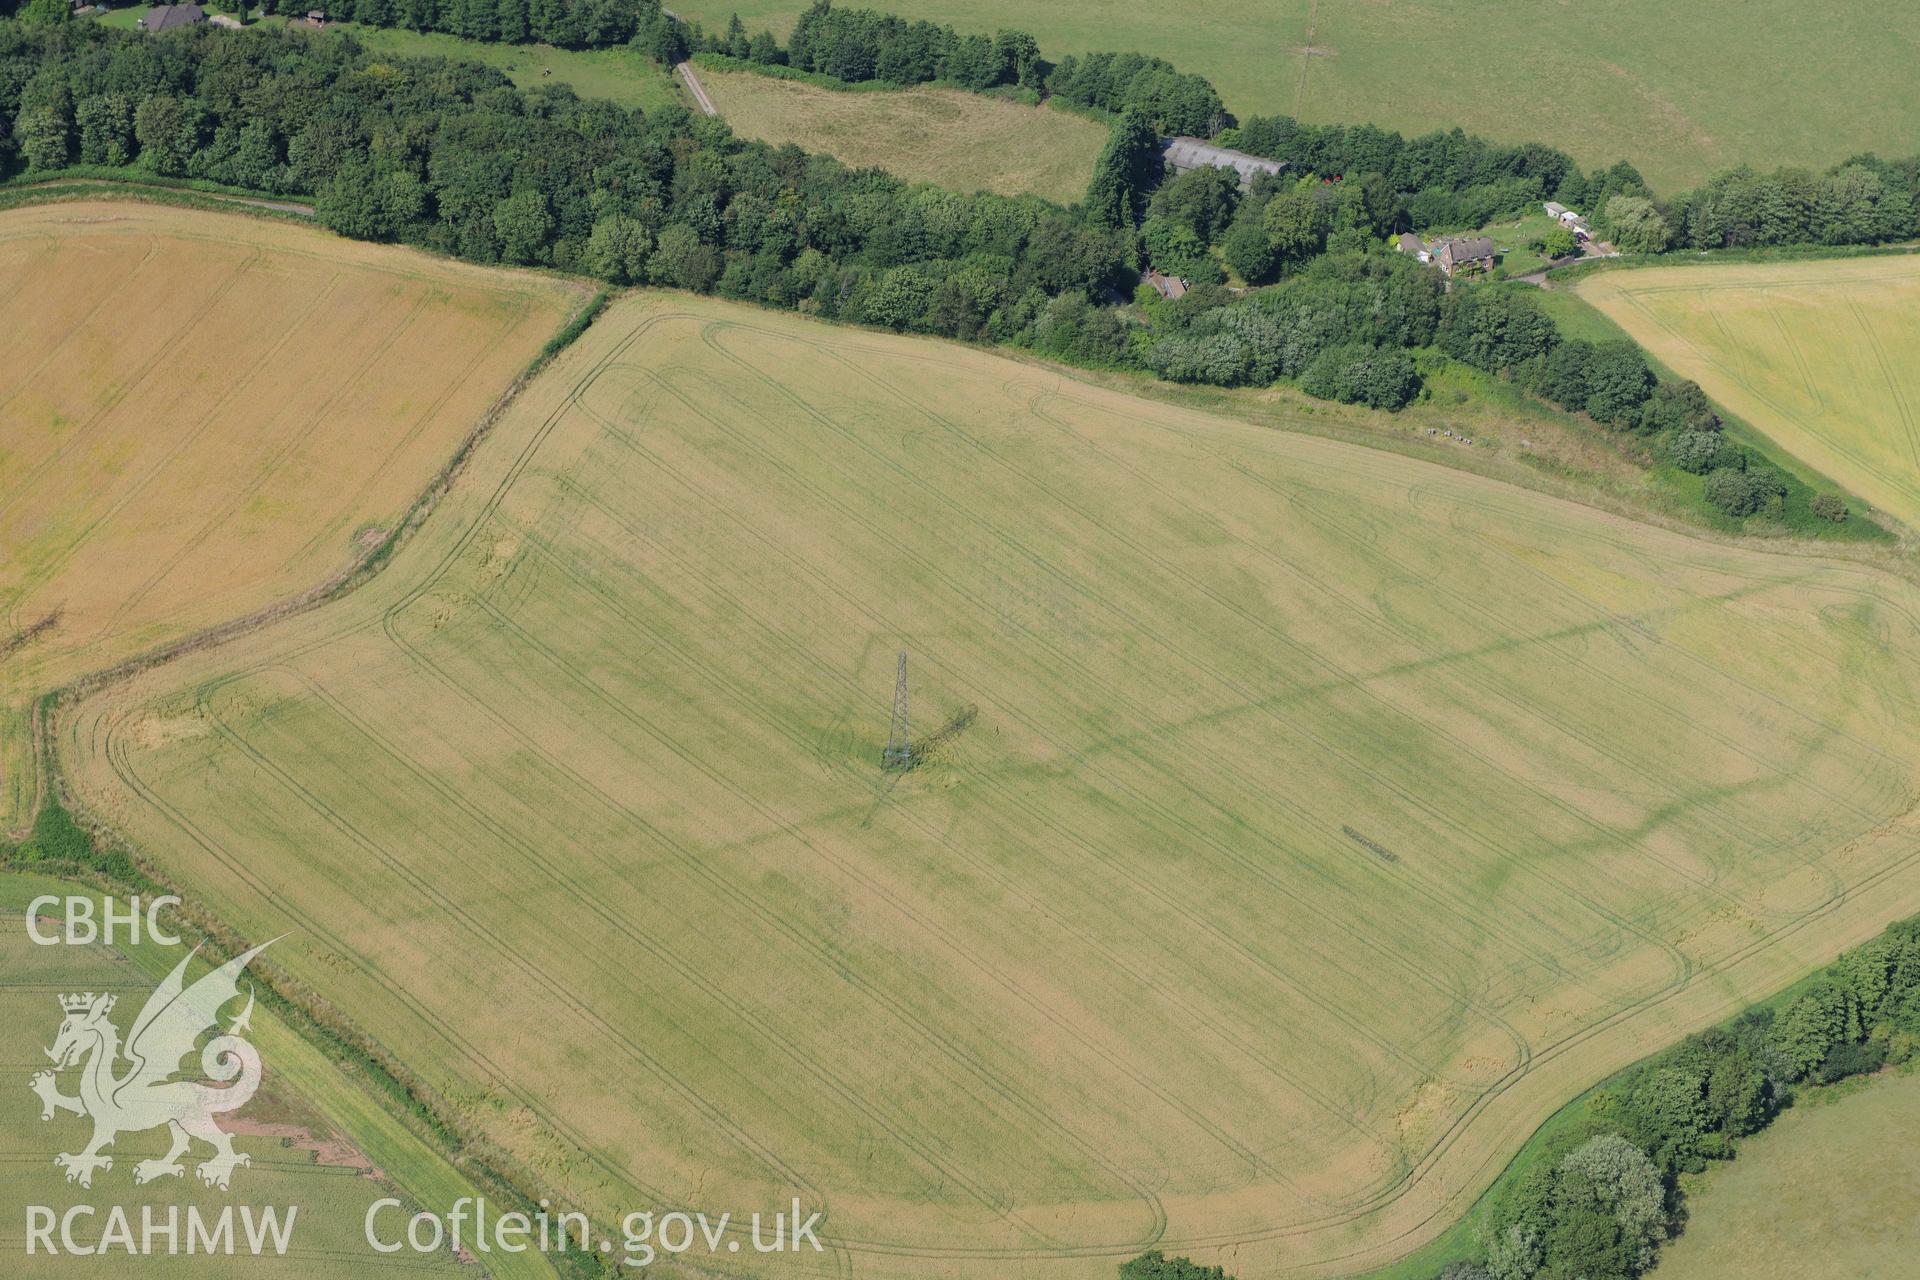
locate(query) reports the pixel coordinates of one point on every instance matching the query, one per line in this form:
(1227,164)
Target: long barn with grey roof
(1197,153)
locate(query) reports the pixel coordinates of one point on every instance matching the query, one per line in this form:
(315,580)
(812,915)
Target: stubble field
(1305,825)
(204,414)
(1823,356)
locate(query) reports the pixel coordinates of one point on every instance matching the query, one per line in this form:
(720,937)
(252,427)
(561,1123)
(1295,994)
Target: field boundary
(1741,426)
(330,1031)
(360,568)
(368,562)
(131,184)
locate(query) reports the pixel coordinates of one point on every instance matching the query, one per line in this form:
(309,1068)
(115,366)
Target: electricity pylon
(899,751)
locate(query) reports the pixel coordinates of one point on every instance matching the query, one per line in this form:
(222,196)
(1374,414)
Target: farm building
(1195,153)
(1567,218)
(165,17)
(1467,255)
(1168,287)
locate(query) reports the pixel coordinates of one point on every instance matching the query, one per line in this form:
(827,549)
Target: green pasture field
(1298,826)
(1827,1191)
(330,1191)
(1679,90)
(127,18)
(964,141)
(1822,356)
(622,75)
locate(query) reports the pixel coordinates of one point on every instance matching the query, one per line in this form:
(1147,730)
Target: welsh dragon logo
(145,1094)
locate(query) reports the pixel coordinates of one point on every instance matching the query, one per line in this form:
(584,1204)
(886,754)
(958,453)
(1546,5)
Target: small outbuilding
(166,17)
(1409,243)
(1465,255)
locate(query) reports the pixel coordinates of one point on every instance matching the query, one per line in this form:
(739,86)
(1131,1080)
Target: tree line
(857,46)
(452,157)
(1603,1199)
(1440,179)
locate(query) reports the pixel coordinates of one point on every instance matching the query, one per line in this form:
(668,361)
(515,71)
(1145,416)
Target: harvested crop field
(1822,356)
(960,140)
(1306,824)
(206,413)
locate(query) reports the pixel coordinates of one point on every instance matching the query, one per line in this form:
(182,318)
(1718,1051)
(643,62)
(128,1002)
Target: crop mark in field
(1175,999)
(1070,583)
(586,562)
(1315,658)
(1037,816)
(28,634)
(955,1052)
(1372,846)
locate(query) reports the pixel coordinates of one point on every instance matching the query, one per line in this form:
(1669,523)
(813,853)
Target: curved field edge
(1807,350)
(1463,1241)
(181,610)
(1468,1157)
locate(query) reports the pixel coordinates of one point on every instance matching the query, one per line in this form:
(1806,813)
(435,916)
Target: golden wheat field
(201,414)
(1822,356)
(1300,824)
